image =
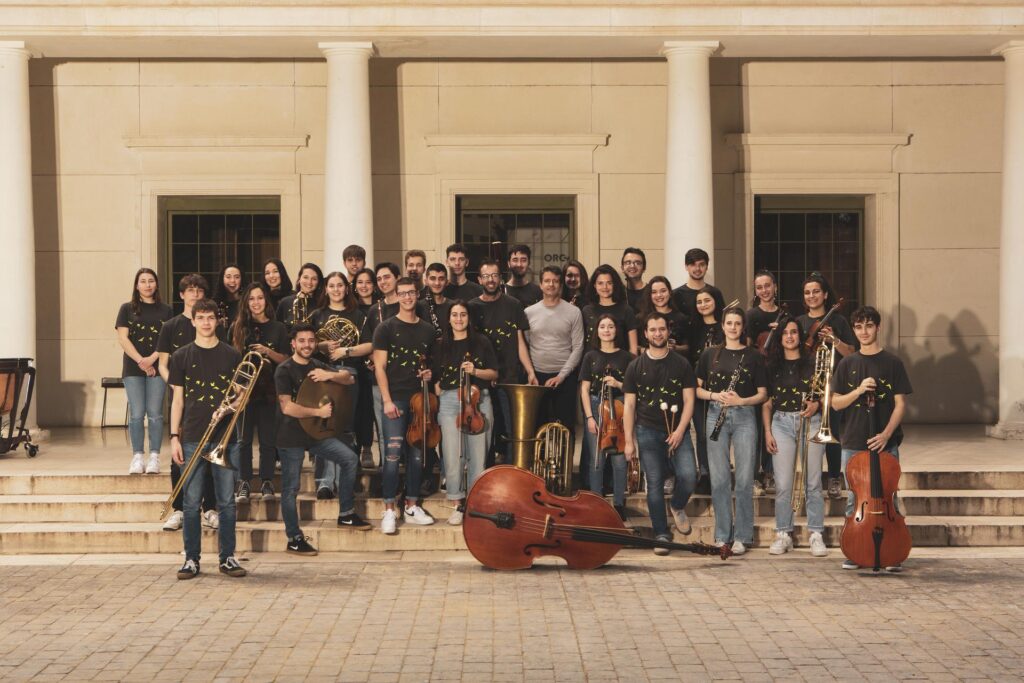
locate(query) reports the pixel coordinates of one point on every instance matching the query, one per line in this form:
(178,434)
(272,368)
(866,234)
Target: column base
(1008,431)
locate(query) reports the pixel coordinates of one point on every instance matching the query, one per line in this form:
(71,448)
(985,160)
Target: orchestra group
(749,380)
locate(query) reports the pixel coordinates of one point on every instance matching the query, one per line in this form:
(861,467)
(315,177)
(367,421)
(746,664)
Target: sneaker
(242,493)
(835,487)
(427,488)
(388,522)
(818,548)
(850,564)
(211,520)
(189,570)
(231,567)
(662,551)
(670,486)
(153,464)
(416,515)
(894,568)
(299,546)
(682,521)
(621,509)
(324,493)
(782,544)
(138,464)
(366,458)
(267,490)
(738,548)
(455,519)
(353,521)
(175,521)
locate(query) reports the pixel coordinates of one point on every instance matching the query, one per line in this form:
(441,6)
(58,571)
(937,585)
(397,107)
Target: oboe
(721,415)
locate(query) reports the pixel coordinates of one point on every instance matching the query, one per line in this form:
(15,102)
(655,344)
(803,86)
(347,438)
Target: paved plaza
(439,616)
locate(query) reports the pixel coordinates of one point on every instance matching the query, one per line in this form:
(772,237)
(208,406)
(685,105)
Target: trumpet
(236,397)
(300,308)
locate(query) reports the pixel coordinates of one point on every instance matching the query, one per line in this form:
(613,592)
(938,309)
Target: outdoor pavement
(954,614)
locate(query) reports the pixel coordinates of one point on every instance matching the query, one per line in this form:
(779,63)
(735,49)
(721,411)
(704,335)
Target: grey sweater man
(555,337)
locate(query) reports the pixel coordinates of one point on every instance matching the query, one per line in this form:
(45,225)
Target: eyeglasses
(490,276)
(632,263)
(407,293)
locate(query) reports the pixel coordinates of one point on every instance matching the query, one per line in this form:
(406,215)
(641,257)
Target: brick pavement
(442,617)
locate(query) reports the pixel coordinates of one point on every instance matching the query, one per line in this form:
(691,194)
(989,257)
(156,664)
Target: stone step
(984,480)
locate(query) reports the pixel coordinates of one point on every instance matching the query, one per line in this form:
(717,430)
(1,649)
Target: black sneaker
(835,488)
(231,567)
(242,494)
(703,486)
(324,493)
(189,570)
(353,521)
(621,509)
(267,490)
(427,488)
(300,546)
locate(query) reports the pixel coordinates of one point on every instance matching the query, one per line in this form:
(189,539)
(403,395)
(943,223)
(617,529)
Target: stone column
(348,192)
(689,213)
(17,231)
(1011,249)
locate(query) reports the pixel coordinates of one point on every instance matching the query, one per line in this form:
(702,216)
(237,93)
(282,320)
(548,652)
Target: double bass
(512,519)
(876,534)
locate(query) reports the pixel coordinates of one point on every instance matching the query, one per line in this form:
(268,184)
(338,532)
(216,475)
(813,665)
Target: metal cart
(17,382)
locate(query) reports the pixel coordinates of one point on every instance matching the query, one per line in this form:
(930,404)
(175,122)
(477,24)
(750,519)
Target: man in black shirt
(460,287)
(519,287)
(293,442)
(200,374)
(685,295)
(435,305)
(354,258)
(634,264)
(415,265)
(401,346)
(875,370)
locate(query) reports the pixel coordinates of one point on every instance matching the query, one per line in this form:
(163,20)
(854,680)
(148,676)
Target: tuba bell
(552,457)
(524,402)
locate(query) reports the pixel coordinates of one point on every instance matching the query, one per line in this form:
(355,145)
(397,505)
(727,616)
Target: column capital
(1014,47)
(340,49)
(704,48)
(14,48)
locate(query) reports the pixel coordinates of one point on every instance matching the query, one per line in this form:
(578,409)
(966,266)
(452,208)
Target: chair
(112,383)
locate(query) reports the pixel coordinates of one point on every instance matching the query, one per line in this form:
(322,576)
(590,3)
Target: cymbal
(315,394)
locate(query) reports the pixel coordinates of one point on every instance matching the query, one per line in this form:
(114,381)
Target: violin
(767,338)
(611,437)
(512,519)
(423,431)
(812,334)
(469,420)
(876,534)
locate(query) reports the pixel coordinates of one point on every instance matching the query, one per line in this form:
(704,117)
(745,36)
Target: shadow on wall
(386,149)
(955,377)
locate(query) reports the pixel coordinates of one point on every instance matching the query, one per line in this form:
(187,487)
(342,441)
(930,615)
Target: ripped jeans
(393,446)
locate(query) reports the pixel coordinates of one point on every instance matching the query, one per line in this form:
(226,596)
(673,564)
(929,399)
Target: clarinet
(721,416)
(433,317)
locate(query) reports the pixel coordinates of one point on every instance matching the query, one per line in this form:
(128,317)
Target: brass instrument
(552,457)
(300,308)
(803,429)
(524,402)
(821,385)
(236,396)
(341,330)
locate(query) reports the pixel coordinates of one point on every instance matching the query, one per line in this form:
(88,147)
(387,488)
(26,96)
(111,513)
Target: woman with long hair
(764,308)
(657,296)
(366,294)
(276,282)
(607,294)
(309,285)
(731,377)
(227,292)
(576,282)
(138,326)
(705,333)
(256,330)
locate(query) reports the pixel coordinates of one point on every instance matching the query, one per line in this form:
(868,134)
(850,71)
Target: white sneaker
(153,465)
(818,548)
(137,464)
(417,515)
(738,548)
(175,521)
(782,544)
(388,522)
(662,551)
(211,519)
(455,519)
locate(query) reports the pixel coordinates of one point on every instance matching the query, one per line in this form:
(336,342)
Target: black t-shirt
(278,295)
(597,364)
(702,336)
(578,299)
(288,377)
(657,381)
(284,309)
(625,320)
(527,294)
(840,328)
(436,314)
(143,331)
(204,374)
(787,381)
(500,321)
(678,328)
(176,333)
(377,314)
(717,366)
(274,335)
(449,358)
(758,321)
(322,316)
(634,297)
(686,299)
(890,379)
(466,292)
(406,343)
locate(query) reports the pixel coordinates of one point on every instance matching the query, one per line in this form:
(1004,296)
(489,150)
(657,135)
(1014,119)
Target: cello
(876,534)
(512,519)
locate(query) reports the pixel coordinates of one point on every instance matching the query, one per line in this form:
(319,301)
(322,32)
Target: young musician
(576,280)
(732,377)
(608,295)
(463,350)
(387,275)
(366,296)
(293,442)
(400,345)
(338,302)
(310,283)
(459,286)
(519,285)
(256,330)
(226,294)
(364,285)
(199,375)
(634,264)
(764,310)
(656,435)
(705,333)
(433,307)
(657,296)
(354,259)
(871,369)
(603,369)
(790,371)
(685,295)
(415,265)
(276,281)
(138,326)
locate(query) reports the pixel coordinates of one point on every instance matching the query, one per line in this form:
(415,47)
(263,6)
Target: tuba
(552,457)
(524,402)
(821,385)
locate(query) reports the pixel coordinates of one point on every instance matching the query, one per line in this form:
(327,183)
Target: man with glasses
(634,264)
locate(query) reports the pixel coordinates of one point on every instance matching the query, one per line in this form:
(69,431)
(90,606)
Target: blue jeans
(849,453)
(593,474)
(394,446)
(740,432)
(260,417)
(328,472)
(145,400)
(331,450)
(655,460)
(784,429)
(505,409)
(473,450)
(224,486)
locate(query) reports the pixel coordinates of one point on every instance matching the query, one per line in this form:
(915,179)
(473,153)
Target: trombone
(236,396)
(821,385)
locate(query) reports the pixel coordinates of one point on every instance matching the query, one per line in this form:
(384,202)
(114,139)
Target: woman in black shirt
(607,294)
(226,292)
(276,282)
(365,289)
(366,294)
(657,296)
(310,284)
(705,333)
(574,275)
(764,309)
